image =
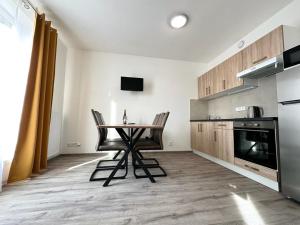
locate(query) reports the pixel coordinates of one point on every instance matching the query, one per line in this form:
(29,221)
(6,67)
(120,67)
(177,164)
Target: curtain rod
(31,5)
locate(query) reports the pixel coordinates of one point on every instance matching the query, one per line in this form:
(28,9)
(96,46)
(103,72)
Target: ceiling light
(178,21)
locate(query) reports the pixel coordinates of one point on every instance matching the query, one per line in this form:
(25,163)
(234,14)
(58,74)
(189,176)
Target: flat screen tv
(132,84)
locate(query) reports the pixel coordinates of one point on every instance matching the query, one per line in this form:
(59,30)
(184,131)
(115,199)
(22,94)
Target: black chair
(154,142)
(104,144)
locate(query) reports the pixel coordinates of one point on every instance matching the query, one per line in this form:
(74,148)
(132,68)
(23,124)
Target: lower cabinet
(213,138)
(223,141)
(216,139)
(258,169)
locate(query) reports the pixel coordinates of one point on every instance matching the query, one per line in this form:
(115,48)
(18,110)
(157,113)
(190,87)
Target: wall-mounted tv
(132,84)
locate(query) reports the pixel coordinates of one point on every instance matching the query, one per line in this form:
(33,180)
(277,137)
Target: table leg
(137,158)
(124,158)
(129,142)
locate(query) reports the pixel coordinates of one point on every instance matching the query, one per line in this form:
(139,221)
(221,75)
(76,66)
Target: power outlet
(73,145)
(240,108)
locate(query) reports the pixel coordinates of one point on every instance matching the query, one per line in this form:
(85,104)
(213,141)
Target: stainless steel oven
(256,141)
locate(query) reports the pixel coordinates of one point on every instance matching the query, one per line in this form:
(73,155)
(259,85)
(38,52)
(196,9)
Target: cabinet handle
(224,84)
(250,167)
(209,90)
(215,136)
(201,127)
(259,60)
(198,127)
(222,125)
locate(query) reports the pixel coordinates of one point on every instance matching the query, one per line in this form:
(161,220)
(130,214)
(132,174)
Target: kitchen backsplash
(264,96)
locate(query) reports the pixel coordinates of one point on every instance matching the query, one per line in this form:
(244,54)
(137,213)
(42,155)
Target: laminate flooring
(196,191)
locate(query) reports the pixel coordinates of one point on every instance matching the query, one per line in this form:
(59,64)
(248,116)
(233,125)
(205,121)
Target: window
(16,36)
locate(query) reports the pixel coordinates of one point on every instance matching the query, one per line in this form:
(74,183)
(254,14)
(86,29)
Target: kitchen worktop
(237,119)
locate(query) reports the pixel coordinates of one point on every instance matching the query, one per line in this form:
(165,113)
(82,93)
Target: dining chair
(154,142)
(105,144)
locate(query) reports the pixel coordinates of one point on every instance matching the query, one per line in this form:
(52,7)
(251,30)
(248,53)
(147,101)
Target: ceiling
(140,27)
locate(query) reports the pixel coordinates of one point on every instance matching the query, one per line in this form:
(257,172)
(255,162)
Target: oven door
(256,145)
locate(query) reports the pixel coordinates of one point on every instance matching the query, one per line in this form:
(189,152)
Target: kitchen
(150,112)
(245,117)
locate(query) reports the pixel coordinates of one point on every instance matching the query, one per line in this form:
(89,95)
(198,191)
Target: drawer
(223,125)
(258,169)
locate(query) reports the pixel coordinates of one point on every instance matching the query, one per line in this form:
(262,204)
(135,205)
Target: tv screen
(132,84)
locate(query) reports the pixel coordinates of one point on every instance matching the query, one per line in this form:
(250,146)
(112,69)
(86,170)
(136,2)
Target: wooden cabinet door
(209,82)
(228,146)
(219,78)
(233,65)
(194,131)
(200,140)
(209,128)
(217,143)
(201,86)
(266,47)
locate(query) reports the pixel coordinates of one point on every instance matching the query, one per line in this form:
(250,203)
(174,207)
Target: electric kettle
(254,112)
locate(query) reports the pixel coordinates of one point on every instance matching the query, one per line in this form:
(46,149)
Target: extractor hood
(266,68)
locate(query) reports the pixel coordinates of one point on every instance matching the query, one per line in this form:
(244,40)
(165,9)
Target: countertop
(237,119)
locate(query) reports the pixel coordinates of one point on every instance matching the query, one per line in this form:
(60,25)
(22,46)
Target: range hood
(266,68)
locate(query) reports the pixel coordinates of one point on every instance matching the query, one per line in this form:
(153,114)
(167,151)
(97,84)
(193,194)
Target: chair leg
(140,155)
(108,167)
(162,174)
(156,163)
(118,153)
(110,160)
(92,177)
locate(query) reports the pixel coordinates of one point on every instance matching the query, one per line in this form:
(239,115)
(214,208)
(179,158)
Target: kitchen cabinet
(201,136)
(258,169)
(216,139)
(206,84)
(267,47)
(202,86)
(223,77)
(213,138)
(194,131)
(223,141)
(198,133)
(233,65)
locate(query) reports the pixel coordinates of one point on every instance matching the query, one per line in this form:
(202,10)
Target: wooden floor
(195,192)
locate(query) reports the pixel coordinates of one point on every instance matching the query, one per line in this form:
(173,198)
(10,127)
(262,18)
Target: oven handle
(265,131)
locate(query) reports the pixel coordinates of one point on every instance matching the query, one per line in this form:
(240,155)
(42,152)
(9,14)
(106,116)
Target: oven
(256,141)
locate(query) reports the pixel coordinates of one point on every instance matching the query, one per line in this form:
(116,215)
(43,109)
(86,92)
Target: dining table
(130,139)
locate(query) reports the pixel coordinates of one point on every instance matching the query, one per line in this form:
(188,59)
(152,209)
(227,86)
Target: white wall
(93,81)
(57,104)
(289,15)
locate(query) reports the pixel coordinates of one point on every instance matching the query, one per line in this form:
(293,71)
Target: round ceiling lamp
(178,21)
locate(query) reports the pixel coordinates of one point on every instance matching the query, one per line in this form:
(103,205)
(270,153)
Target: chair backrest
(97,122)
(155,121)
(157,136)
(102,132)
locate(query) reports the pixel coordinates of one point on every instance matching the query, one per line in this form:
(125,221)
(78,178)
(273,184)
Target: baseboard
(53,156)
(260,179)
(165,150)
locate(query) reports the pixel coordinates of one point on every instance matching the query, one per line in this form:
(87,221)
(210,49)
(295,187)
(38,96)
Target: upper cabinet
(266,47)
(206,84)
(223,77)
(233,65)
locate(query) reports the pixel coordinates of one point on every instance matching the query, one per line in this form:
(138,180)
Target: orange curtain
(32,145)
